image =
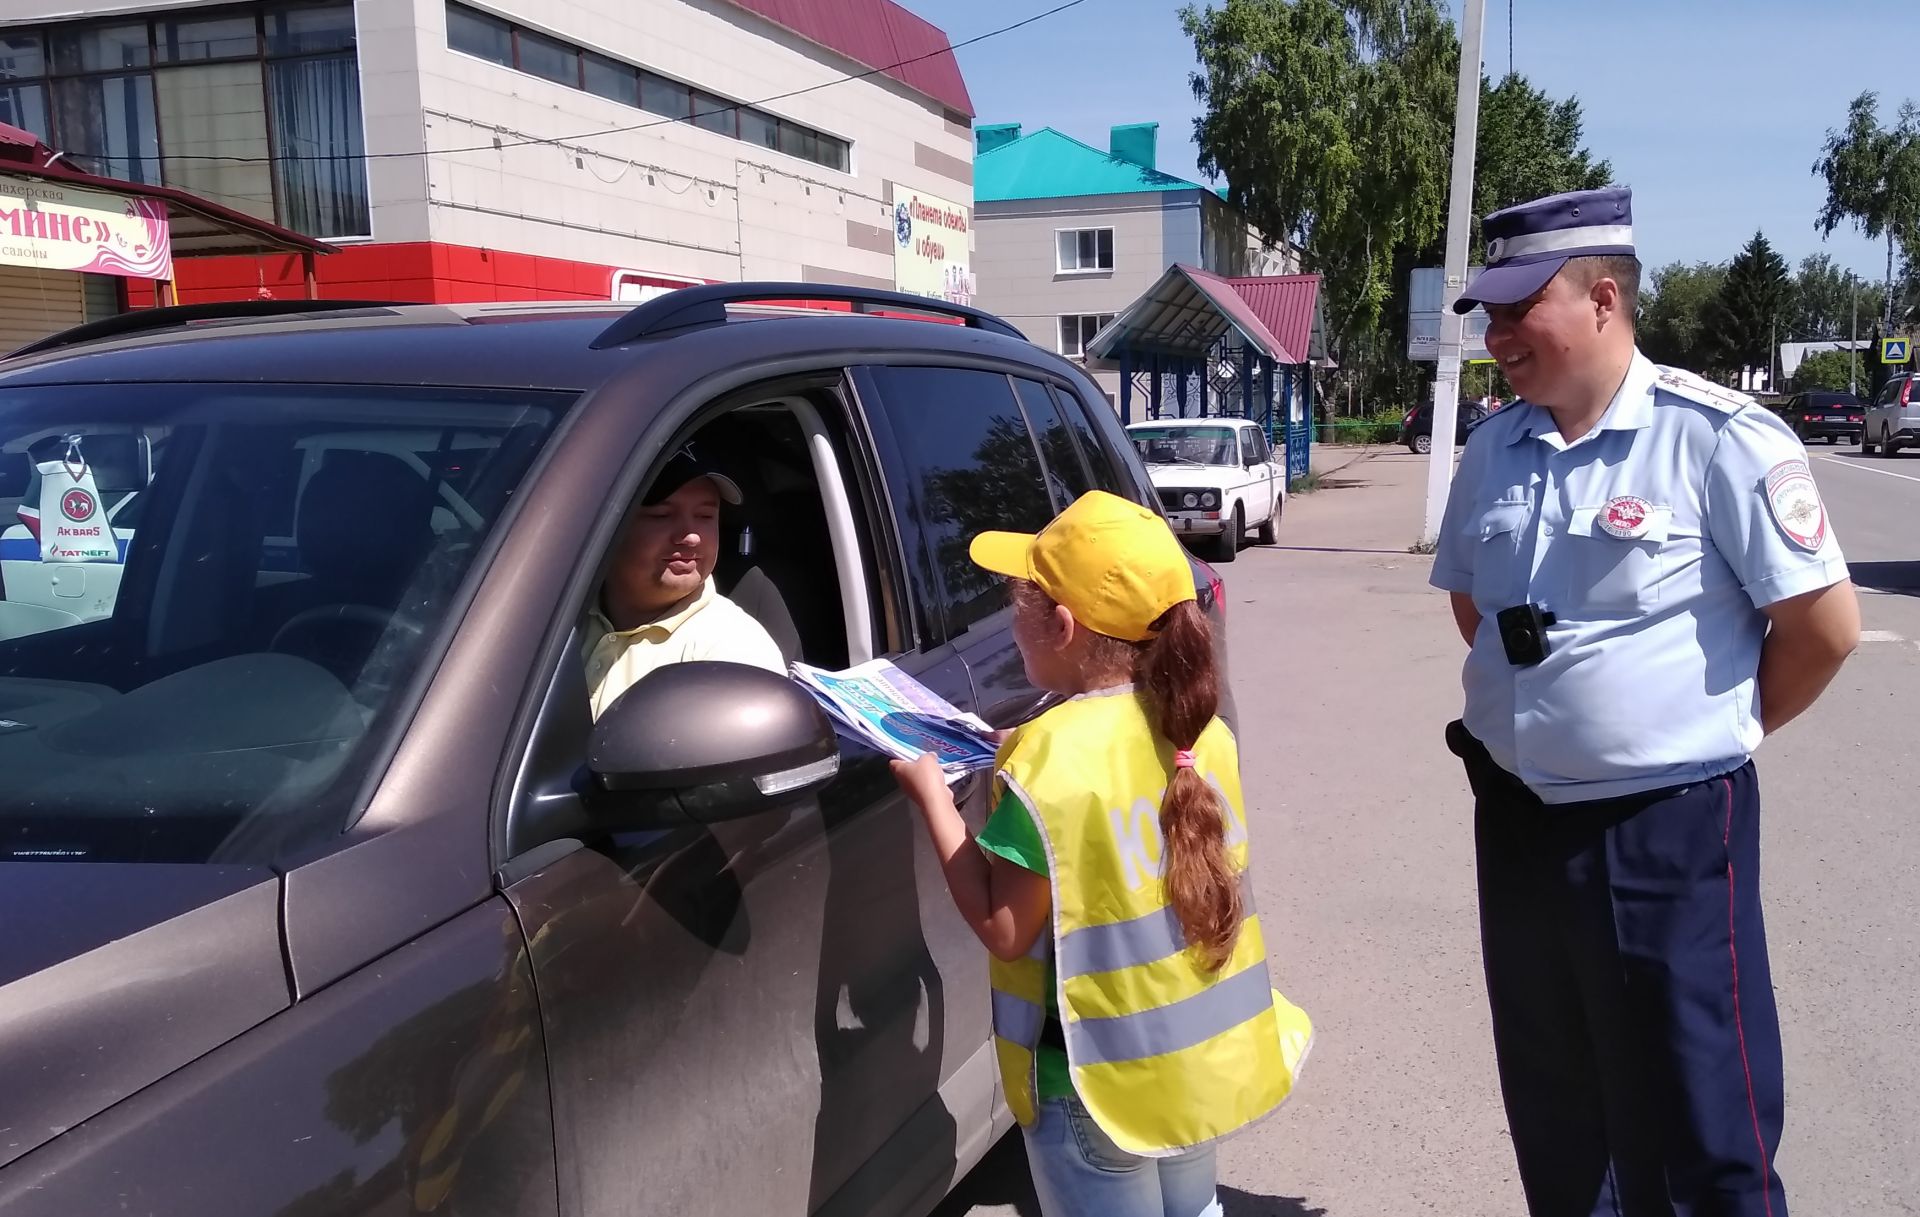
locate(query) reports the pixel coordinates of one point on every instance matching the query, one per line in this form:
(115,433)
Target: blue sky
(1712,110)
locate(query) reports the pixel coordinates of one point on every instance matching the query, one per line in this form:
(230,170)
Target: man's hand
(1465,615)
(1811,636)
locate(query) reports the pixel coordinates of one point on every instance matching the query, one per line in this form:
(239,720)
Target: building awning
(1186,313)
(201,228)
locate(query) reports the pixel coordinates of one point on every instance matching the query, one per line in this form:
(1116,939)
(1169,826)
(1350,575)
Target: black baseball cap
(685,466)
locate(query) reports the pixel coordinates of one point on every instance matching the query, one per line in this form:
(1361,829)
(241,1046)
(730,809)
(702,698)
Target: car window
(213,594)
(973,468)
(1066,469)
(1185,445)
(1261,452)
(1099,460)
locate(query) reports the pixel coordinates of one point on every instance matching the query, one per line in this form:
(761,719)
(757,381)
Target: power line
(533,141)
(1509,37)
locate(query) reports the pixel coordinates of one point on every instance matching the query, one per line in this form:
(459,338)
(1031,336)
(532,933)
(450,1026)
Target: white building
(513,149)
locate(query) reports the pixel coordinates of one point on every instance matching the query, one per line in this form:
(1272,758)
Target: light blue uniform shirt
(1656,539)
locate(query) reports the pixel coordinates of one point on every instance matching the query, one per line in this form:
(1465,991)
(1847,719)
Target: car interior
(282,583)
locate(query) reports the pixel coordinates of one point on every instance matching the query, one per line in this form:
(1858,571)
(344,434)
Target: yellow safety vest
(1165,1055)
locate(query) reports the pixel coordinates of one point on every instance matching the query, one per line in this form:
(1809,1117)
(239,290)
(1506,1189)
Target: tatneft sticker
(1795,503)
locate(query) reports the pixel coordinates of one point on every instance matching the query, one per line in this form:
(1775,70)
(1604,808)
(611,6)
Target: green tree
(1331,122)
(1529,146)
(1824,301)
(1873,181)
(1749,315)
(1673,323)
(1826,370)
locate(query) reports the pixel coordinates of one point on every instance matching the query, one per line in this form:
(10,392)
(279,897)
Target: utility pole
(1446,380)
(1853,339)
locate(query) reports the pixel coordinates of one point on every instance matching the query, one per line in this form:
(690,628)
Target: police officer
(1642,567)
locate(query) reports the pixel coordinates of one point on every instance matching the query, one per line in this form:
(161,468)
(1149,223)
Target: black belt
(1490,781)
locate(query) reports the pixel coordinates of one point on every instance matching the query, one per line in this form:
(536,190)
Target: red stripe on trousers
(1753,1108)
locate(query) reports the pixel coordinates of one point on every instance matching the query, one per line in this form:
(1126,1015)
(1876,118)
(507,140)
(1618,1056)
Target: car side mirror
(705,742)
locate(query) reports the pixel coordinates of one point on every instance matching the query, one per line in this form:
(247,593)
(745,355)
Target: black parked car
(1825,414)
(325,893)
(1416,429)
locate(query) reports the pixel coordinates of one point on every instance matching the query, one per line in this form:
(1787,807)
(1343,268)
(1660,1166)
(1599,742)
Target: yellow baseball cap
(1113,563)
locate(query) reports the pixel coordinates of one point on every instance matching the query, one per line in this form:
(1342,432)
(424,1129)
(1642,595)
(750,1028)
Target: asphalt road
(1345,669)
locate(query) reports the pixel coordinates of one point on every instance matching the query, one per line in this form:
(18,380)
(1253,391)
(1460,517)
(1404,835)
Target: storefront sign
(57,227)
(930,248)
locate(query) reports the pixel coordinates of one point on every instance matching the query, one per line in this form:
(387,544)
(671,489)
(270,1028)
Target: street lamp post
(1446,380)
(1853,339)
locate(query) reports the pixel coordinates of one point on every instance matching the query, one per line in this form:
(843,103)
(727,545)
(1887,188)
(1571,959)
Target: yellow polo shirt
(709,626)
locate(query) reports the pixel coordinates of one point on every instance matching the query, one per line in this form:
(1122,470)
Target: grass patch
(1423,547)
(1305,484)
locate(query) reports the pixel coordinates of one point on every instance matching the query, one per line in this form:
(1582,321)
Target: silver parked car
(1893,420)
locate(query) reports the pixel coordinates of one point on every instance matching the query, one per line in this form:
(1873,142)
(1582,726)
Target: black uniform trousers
(1633,1010)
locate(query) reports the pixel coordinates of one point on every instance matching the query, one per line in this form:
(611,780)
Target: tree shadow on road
(1001,1181)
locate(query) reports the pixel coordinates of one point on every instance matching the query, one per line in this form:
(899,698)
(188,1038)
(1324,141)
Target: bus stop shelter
(1197,345)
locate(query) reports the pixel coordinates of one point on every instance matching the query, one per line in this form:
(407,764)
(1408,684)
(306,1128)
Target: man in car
(658,605)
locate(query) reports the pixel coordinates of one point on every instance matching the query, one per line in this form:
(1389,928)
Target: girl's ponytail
(1176,673)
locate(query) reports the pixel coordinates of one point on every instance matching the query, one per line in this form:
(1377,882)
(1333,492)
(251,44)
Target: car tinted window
(973,468)
(1185,445)
(213,596)
(1066,470)
(1099,460)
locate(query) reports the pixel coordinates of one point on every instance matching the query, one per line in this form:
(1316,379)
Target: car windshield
(1185,445)
(211,598)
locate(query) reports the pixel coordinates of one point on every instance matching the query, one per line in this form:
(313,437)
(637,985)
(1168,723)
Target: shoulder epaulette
(1701,391)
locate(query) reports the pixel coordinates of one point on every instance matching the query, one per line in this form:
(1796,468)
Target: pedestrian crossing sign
(1896,350)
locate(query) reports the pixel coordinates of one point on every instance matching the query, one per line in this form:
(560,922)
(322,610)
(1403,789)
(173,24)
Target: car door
(746,1017)
(1266,486)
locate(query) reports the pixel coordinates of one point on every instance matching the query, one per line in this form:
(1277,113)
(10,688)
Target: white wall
(706,213)
(668,198)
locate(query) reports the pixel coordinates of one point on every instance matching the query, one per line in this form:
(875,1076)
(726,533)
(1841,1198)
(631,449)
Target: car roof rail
(141,320)
(706,304)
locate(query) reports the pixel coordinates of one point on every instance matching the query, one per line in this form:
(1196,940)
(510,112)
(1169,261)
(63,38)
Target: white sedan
(1216,477)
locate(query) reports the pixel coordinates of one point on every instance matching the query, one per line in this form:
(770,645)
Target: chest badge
(1627,517)
(1795,503)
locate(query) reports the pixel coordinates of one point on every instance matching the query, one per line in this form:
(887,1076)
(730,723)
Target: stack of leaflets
(889,711)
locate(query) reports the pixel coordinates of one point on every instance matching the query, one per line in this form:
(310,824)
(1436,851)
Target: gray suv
(1893,420)
(324,892)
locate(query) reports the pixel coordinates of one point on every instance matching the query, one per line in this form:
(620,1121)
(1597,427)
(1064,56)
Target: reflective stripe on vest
(1130,1037)
(1127,944)
(1016,1021)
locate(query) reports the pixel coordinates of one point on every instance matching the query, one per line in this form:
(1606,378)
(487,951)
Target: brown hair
(1175,673)
(1623,269)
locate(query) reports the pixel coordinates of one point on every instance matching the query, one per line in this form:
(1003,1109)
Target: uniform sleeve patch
(1795,503)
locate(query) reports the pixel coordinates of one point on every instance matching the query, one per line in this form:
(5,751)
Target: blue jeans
(1079,1172)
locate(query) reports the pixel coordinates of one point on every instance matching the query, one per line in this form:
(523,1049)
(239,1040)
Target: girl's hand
(922,780)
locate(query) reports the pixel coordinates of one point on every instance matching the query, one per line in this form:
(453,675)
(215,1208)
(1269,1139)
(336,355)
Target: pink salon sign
(58,227)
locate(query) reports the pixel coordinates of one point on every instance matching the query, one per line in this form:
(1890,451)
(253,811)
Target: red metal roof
(1288,305)
(1187,310)
(1223,295)
(200,226)
(879,34)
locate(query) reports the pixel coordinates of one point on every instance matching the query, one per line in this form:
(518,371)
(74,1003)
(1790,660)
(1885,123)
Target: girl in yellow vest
(1132,1013)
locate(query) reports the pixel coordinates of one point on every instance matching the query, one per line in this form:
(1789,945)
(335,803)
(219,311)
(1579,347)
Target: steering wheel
(323,615)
